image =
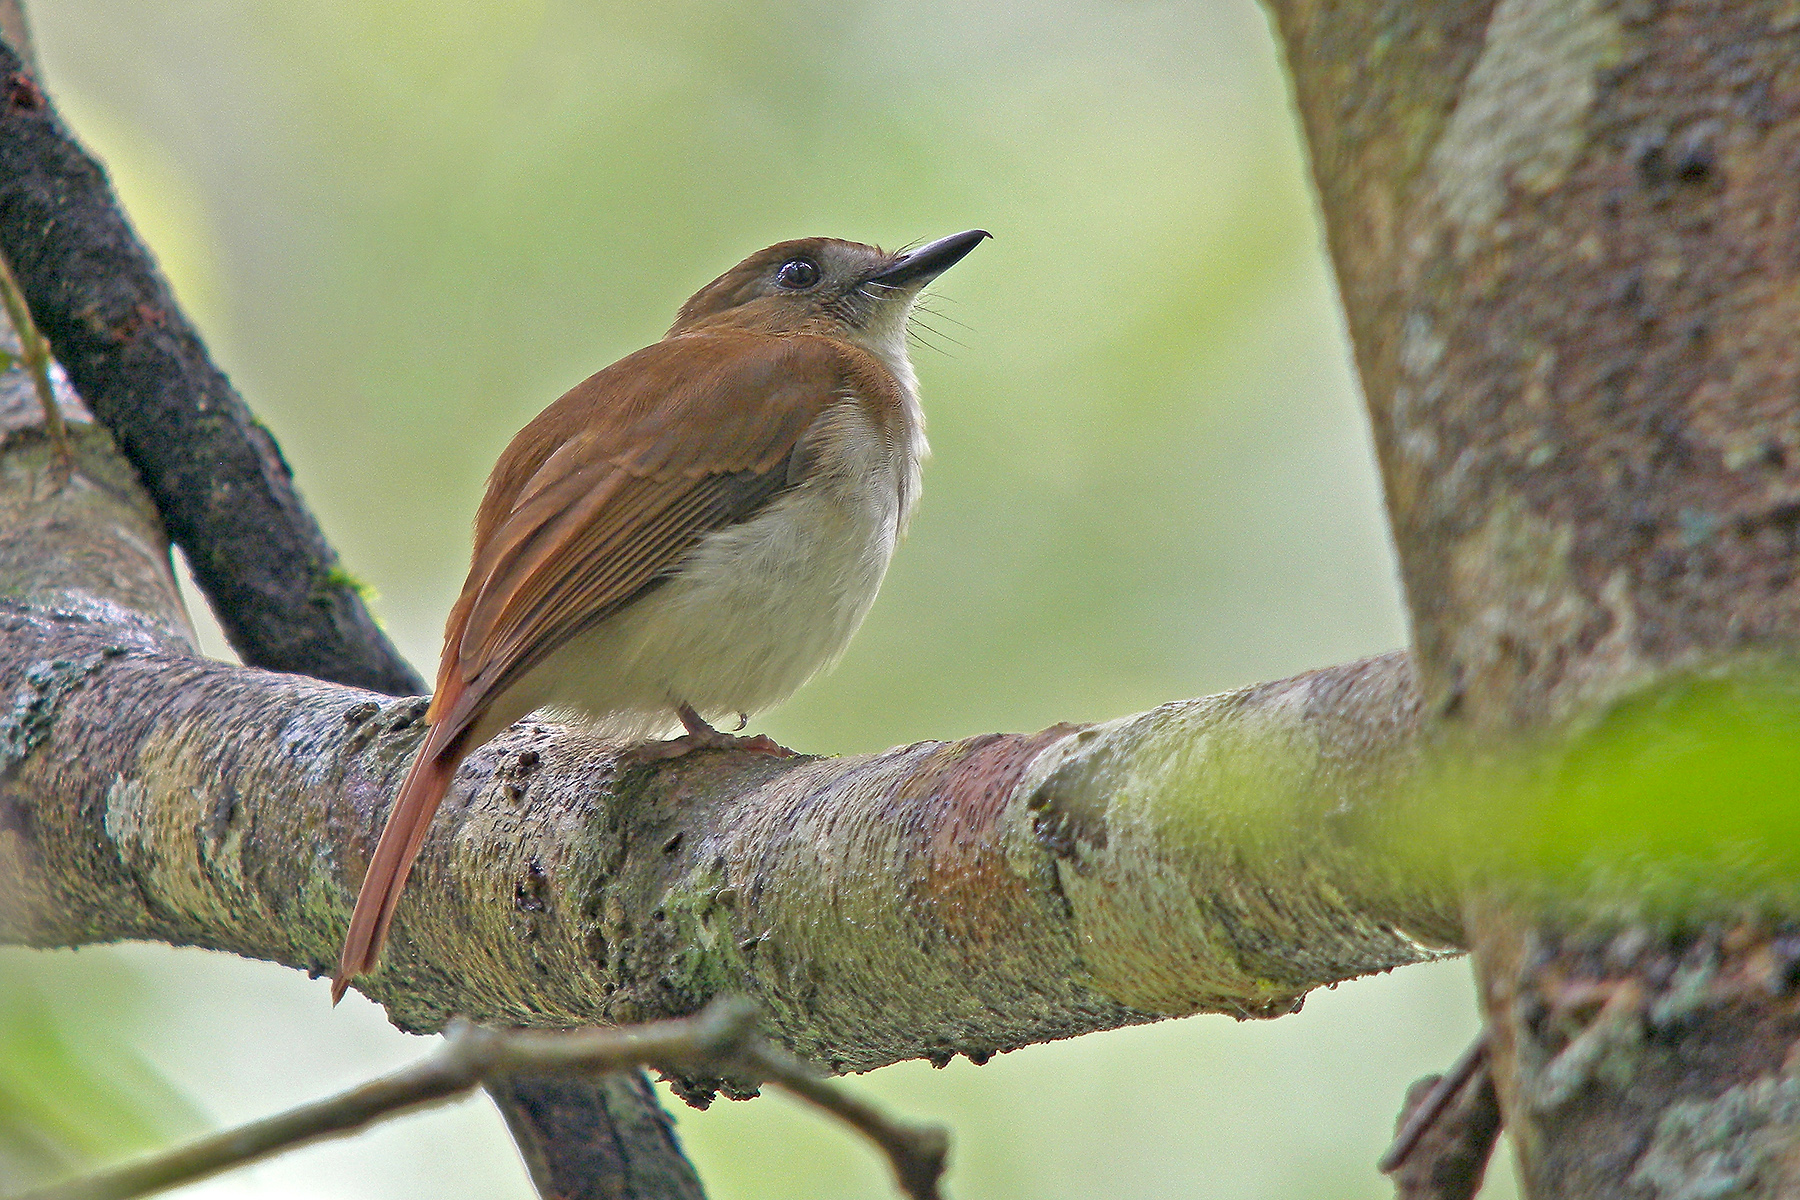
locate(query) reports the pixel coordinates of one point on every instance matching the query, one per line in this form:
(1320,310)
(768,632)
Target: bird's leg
(701,736)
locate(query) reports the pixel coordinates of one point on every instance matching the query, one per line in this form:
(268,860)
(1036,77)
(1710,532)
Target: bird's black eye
(797,274)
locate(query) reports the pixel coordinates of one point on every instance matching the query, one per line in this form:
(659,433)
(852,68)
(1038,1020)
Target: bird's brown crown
(807,285)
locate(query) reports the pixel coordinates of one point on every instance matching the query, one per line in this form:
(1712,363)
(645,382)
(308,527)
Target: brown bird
(689,534)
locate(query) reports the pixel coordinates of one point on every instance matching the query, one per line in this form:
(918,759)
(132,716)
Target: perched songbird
(689,534)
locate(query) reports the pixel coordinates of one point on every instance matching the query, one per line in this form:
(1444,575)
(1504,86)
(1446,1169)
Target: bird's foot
(701,736)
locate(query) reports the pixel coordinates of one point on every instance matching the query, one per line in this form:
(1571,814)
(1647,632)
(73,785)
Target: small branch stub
(1447,1132)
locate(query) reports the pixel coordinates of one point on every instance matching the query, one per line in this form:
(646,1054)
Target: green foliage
(1678,799)
(1705,772)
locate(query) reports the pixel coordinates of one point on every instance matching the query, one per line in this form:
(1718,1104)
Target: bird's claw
(702,736)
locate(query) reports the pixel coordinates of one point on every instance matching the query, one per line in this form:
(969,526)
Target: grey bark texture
(1567,237)
(939,898)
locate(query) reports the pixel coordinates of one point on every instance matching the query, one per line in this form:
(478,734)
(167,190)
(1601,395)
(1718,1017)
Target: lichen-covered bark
(1569,246)
(1568,241)
(931,900)
(1258,870)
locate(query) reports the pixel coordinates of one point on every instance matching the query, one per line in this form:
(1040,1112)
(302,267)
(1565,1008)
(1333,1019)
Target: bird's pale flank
(689,534)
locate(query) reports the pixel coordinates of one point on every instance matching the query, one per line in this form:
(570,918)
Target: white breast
(758,608)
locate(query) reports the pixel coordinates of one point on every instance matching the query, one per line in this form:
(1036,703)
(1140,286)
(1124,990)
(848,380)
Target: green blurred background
(405,227)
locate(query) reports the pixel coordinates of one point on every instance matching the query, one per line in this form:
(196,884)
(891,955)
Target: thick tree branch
(938,898)
(1224,854)
(204,803)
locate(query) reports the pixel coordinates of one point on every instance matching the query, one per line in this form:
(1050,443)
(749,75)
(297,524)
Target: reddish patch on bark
(966,880)
(143,316)
(23,93)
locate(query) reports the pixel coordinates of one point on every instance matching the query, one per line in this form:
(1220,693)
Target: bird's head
(824,286)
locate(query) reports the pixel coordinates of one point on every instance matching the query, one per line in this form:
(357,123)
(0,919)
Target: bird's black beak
(930,261)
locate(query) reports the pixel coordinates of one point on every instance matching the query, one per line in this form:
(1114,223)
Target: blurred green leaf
(1679,798)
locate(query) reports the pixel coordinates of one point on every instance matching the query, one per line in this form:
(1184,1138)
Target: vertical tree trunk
(1567,235)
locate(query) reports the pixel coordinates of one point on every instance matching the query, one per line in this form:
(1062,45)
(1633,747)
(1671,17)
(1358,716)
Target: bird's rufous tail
(407,824)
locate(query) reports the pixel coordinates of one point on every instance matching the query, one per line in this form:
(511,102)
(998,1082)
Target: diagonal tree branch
(214,473)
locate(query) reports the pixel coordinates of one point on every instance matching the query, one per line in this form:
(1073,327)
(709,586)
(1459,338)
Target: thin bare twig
(470,1056)
(720,1039)
(916,1152)
(34,356)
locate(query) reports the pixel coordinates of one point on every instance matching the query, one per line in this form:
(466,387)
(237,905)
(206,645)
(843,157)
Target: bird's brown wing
(593,502)
(691,439)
